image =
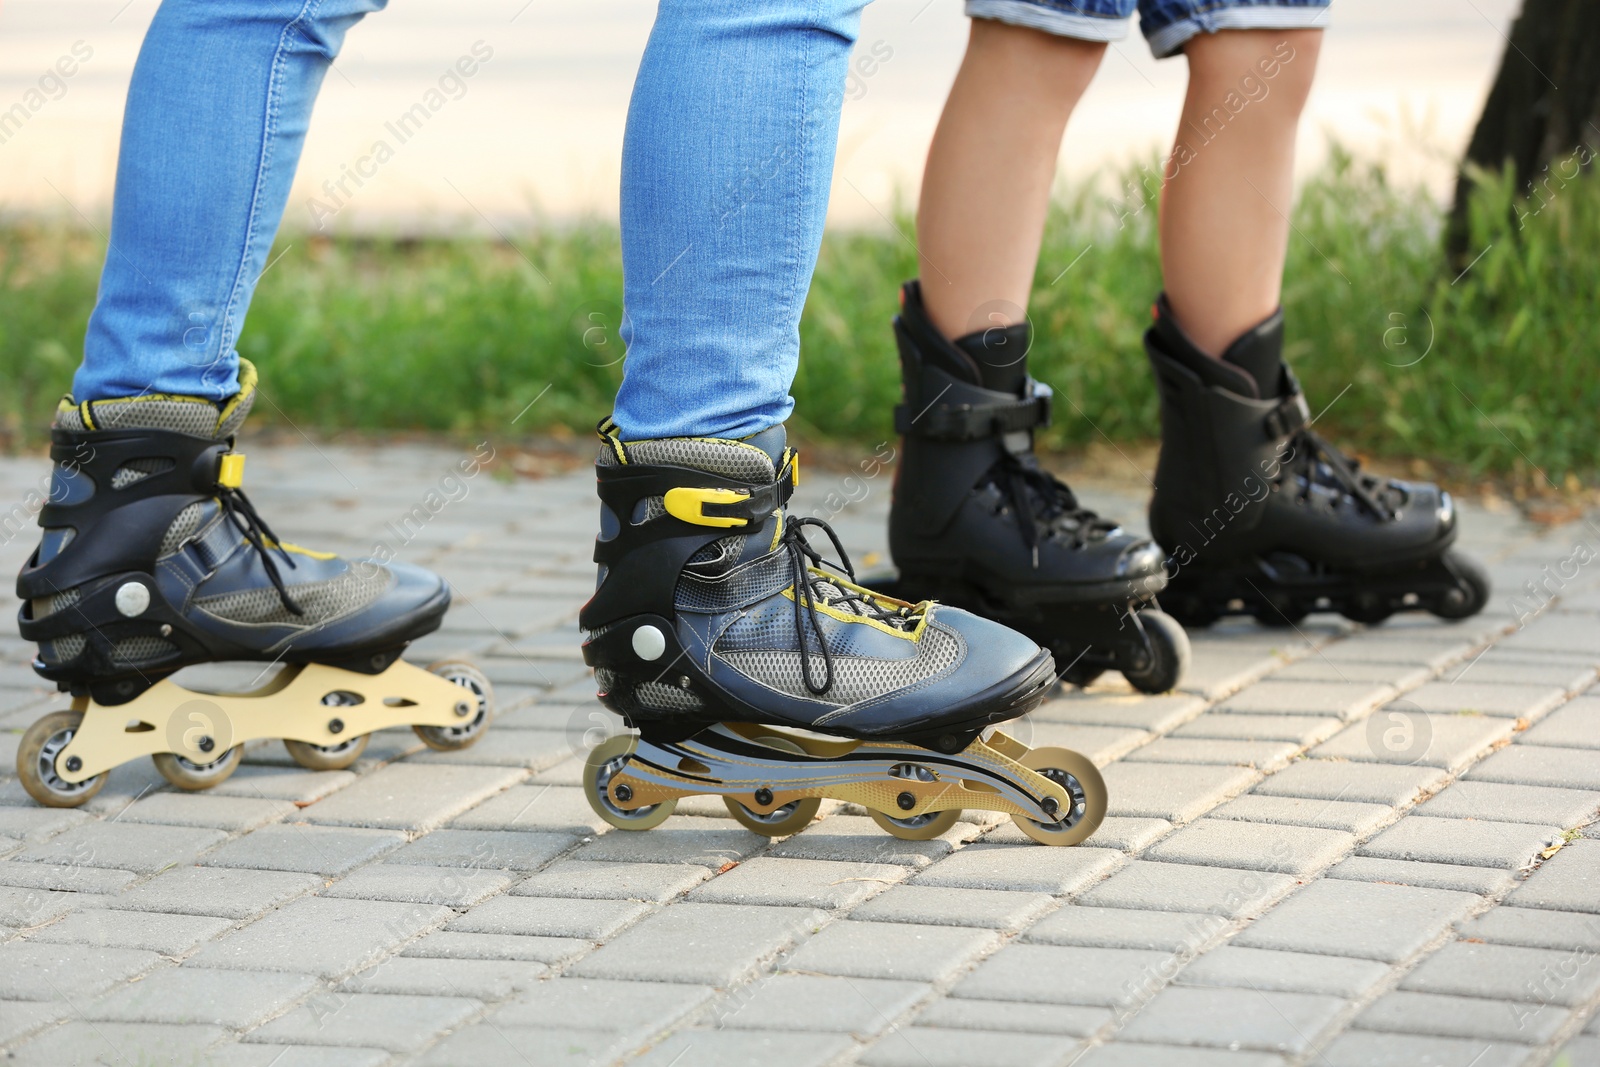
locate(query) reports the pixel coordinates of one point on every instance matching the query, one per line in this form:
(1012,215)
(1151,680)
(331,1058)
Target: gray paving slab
(1361,919)
(524,948)
(533,807)
(1163,931)
(1363,1048)
(33,971)
(23,1018)
(324,850)
(1532,976)
(66,878)
(918,1046)
(32,824)
(1021,869)
(489,850)
(1352,818)
(592,920)
(857,839)
(1534,928)
(1236,967)
(1541,805)
(898,951)
(639,1009)
(233,814)
(1405,1012)
(320,936)
(183,995)
(457,887)
(862,1007)
(392,1021)
(1403,735)
(1363,783)
(1568,881)
(1186,887)
(1069,1020)
(656,882)
(1342,700)
(1234,1019)
(230,893)
(1174,793)
(741,1048)
(1484,881)
(1052,974)
(704,944)
(1257,755)
(995,909)
(170,935)
(1153,713)
(1575,724)
(411,796)
(681,839)
(806,883)
(142,849)
(484,979)
(1487,698)
(1137,1054)
(1564,768)
(79,1042)
(1296,850)
(1468,842)
(1294,729)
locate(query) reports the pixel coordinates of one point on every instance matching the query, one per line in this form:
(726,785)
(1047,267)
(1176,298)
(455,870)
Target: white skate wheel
(132,599)
(648,643)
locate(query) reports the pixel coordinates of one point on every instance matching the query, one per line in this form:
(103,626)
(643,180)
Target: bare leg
(1230,179)
(986,188)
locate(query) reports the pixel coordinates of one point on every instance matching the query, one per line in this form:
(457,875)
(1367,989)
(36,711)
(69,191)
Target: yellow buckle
(689,505)
(230,472)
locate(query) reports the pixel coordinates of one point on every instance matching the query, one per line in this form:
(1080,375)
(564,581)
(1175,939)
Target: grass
(1485,375)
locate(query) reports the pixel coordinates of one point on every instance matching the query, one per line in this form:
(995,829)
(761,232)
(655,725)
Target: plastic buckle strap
(1290,416)
(725,508)
(230,470)
(973,422)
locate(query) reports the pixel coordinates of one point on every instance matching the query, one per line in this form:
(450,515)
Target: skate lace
(1316,462)
(244,517)
(812,586)
(1045,506)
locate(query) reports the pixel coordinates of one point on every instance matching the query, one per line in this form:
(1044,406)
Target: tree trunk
(1543,113)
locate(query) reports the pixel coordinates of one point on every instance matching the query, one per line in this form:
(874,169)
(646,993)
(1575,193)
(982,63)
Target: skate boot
(978,523)
(1261,516)
(153,559)
(718,631)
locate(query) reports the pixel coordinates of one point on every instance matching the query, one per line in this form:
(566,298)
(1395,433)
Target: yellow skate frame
(168,717)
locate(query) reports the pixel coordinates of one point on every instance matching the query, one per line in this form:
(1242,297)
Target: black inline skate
(153,559)
(718,632)
(1261,516)
(977,522)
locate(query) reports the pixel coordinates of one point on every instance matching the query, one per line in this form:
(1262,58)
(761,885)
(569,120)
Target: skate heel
(773,782)
(324,714)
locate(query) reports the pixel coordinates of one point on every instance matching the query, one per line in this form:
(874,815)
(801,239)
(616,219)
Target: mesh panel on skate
(669,697)
(183,527)
(180,416)
(653,508)
(137,470)
(757,580)
(855,679)
(321,601)
(134,651)
(63,649)
(49,605)
(719,457)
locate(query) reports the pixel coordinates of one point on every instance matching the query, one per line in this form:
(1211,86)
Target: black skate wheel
(605,761)
(1279,613)
(471,728)
(1169,654)
(784,820)
(1471,593)
(186,774)
(1367,608)
(36,762)
(924,827)
(1080,674)
(1086,790)
(1191,612)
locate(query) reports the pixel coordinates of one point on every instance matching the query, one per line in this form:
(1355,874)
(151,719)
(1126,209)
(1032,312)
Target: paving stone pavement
(1336,845)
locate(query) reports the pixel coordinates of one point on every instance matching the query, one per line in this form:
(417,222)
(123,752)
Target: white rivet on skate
(649,643)
(132,599)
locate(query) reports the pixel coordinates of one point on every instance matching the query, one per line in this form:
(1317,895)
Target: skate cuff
(975,422)
(1290,416)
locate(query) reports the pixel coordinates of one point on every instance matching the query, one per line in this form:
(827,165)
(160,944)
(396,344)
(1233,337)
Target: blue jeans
(727,161)
(1166,24)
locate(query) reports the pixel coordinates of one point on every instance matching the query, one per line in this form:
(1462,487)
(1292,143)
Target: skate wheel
(924,827)
(473,725)
(1280,616)
(1191,612)
(788,819)
(1368,608)
(1081,675)
(606,760)
(1470,594)
(186,774)
(36,762)
(327,757)
(1169,654)
(1081,779)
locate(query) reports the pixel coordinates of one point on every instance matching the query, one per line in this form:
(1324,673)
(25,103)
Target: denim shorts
(1166,24)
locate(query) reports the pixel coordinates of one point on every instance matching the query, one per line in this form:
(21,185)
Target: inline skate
(755,670)
(1261,516)
(977,522)
(153,559)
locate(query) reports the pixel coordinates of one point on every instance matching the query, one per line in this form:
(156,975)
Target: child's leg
(1225,204)
(986,188)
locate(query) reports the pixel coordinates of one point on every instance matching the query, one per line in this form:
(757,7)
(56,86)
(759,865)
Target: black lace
(1316,462)
(237,507)
(1043,502)
(801,557)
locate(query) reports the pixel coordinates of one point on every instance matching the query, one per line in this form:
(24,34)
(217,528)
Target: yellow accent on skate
(201,727)
(688,504)
(230,470)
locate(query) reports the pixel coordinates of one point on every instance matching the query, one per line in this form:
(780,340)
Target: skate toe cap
(415,588)
(1141,559)
(995,651)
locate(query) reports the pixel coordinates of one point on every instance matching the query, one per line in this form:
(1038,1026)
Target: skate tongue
(1259,353)
(1001,353)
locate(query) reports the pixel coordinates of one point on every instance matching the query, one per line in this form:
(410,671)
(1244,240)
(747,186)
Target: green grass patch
(1486,374)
